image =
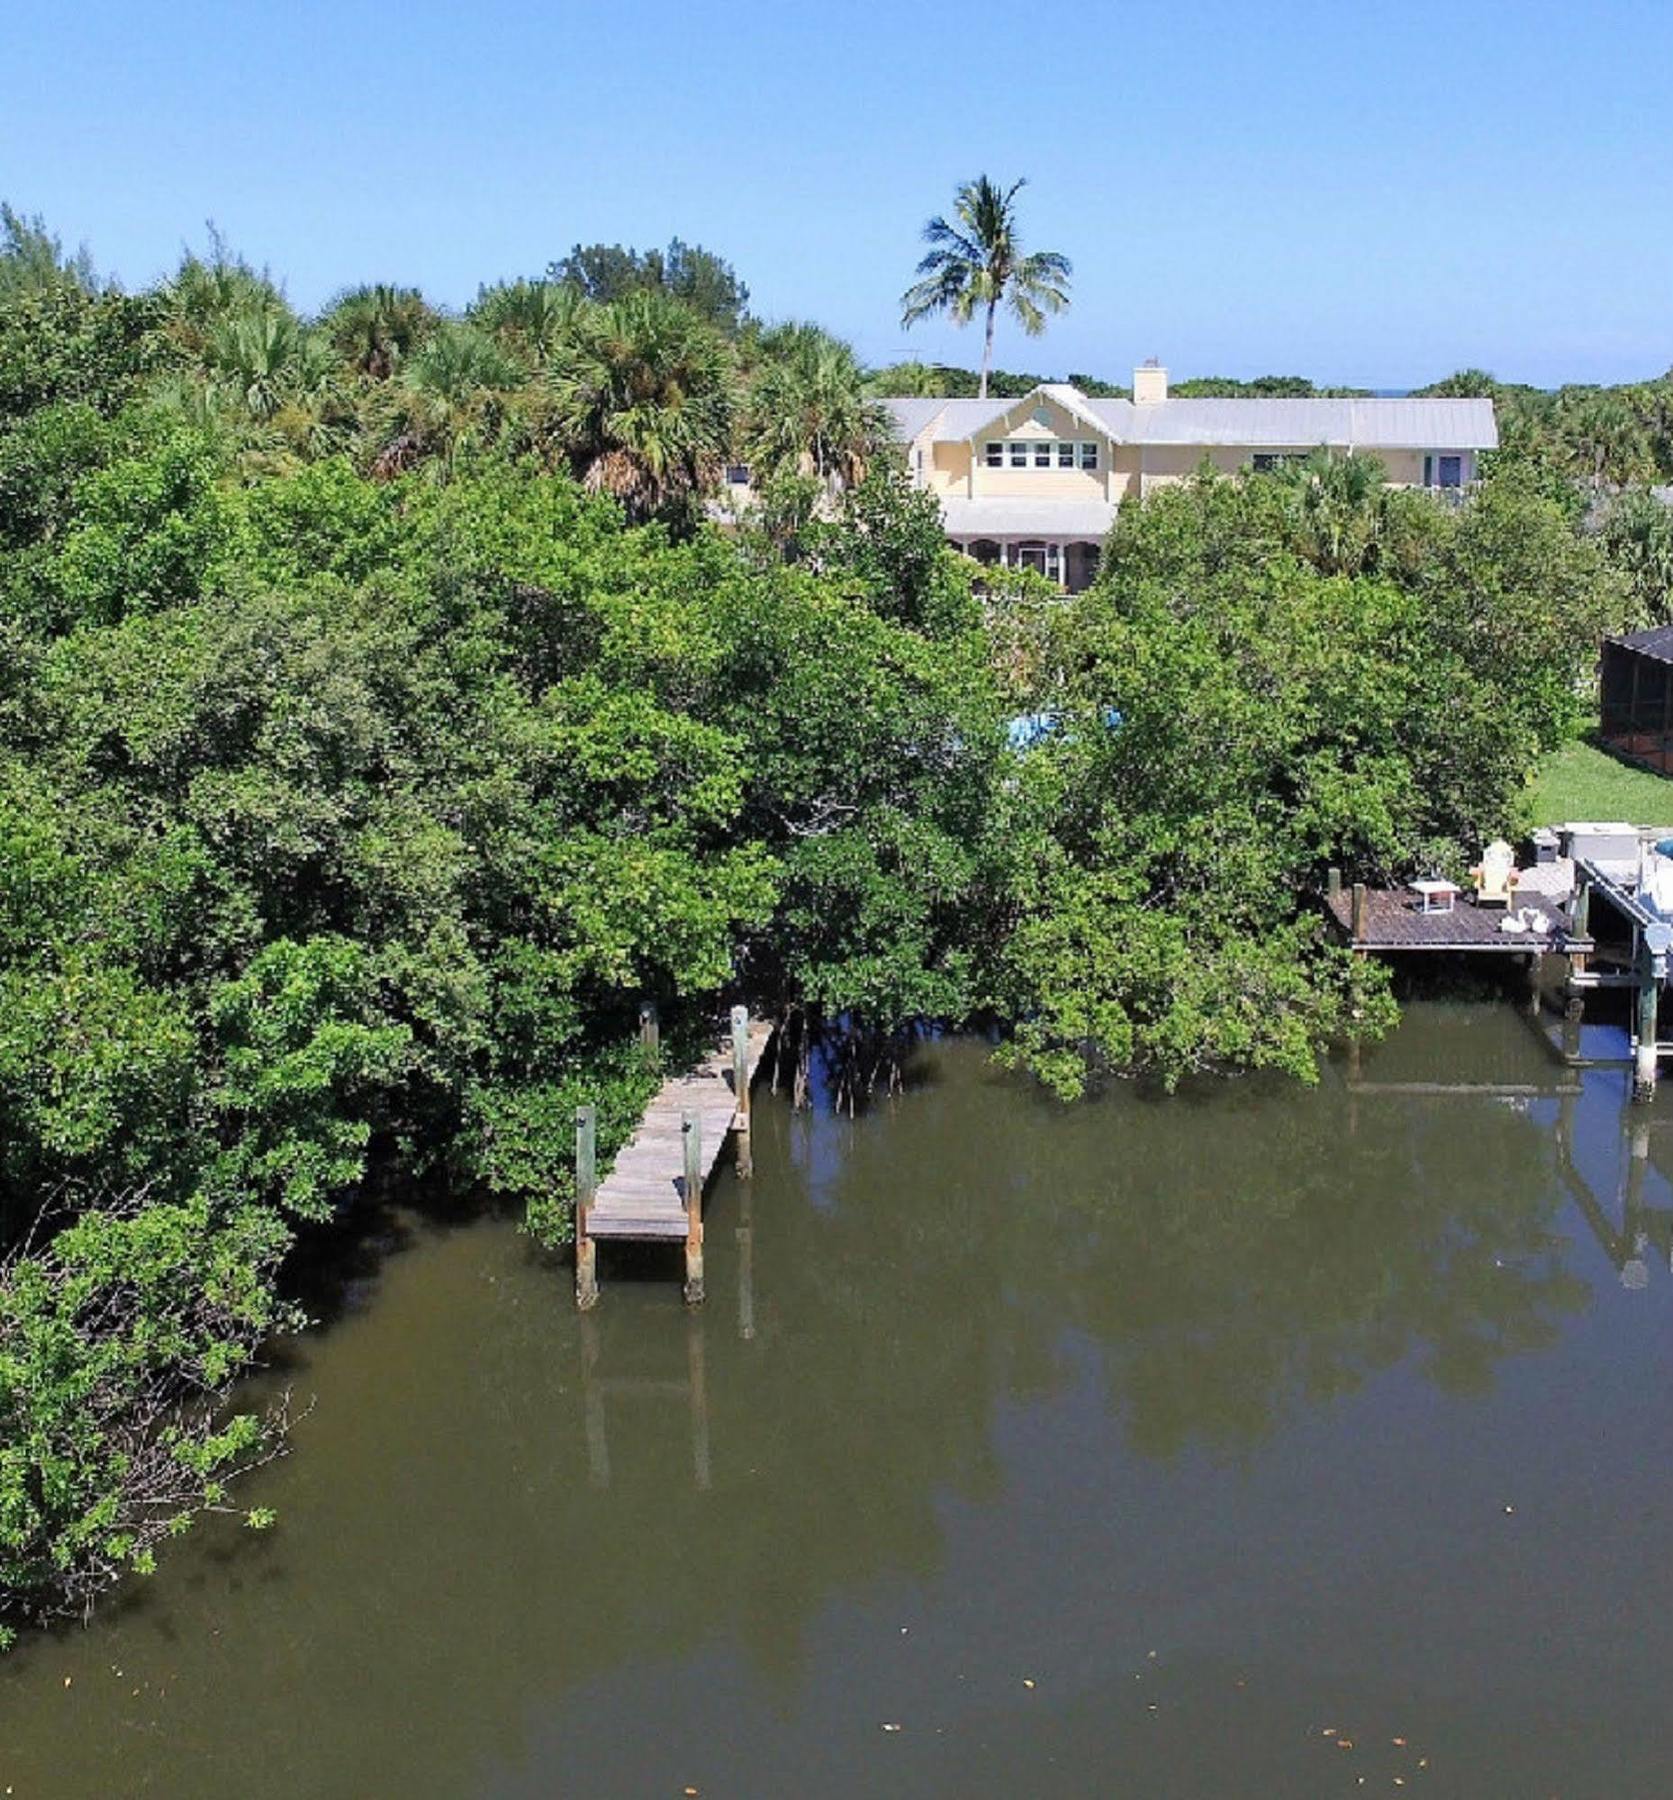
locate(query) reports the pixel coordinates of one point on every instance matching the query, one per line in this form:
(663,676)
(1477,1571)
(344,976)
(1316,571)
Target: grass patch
(1581,781)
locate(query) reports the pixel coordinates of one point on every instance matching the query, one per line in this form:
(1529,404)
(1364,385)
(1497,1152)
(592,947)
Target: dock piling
(650,1029)
(1359,912)
(691,1133)
(1644,1050)
(740,1090)
(586,1188)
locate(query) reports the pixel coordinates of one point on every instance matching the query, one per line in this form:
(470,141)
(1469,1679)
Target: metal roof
(1247,423)
(1026,518)
(912,413)
(954,419)
(1655,643)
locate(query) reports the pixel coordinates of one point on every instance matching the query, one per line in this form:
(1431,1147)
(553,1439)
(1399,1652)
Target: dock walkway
(655,1188)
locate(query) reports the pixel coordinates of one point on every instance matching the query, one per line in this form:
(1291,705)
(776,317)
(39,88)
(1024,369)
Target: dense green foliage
(380,721)
(1271,676)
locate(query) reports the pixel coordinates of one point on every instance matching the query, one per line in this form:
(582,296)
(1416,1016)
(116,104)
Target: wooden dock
(1390,919)
(655,1189)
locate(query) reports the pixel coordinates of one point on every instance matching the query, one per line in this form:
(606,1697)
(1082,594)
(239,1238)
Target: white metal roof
(1245,423)
(964,517)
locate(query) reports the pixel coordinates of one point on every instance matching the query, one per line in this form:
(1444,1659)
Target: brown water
(1143,1448)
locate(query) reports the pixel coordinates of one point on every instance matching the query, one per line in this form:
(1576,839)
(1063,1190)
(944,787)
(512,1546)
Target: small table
(1434,896)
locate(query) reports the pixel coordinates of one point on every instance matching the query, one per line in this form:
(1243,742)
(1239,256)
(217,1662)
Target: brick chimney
(1150,383)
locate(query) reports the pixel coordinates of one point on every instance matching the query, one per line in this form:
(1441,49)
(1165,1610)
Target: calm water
(1145,1448)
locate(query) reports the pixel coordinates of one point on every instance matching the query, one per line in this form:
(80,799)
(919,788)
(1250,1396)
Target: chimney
(1150,383)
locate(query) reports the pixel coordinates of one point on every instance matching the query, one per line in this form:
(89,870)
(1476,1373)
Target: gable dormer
(1047,445)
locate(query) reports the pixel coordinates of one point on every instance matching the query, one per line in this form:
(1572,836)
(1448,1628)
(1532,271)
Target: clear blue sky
(1363,194)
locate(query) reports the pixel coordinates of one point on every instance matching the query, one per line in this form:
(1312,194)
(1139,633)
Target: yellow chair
(1495,876)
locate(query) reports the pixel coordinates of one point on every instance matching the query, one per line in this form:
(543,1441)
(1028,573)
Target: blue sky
(1376,195)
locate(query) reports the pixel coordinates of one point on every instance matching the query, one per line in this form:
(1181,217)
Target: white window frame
(1042,453)
(1089,454)
(1065,455)
(993,454)
(1017,453)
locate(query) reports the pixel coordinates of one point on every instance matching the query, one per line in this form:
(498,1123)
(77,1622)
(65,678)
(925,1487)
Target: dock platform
(1391,919)
(655,1188)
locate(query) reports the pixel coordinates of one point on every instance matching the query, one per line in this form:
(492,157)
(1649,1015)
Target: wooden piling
(650,1029)
(691,1133)
(740,1091)
(1359,912)
(1644,1052)
(586,1187)
(1333,882)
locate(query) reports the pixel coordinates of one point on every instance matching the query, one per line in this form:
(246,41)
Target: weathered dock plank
(646,1194)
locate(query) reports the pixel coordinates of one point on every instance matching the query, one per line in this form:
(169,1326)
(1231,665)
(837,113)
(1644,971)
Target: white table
(1434,896)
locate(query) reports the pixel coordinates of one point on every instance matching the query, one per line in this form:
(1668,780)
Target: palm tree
(528,318)
(452,396)
(1606,436)
(979,262)
(809,413)
(374,328)
(642,396)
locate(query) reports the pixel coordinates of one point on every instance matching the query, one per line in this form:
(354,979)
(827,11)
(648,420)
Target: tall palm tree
(978,261)
(642,396)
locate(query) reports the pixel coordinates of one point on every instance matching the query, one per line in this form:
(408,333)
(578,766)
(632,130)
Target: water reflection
(960,1357)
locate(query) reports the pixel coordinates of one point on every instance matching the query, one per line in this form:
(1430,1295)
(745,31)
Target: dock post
(1536,964)
(1580,920)
(691,1131)
(1644,1055)
(650,1029)
(1332,882)
(1359,902)
(586,1187)
(740,1090)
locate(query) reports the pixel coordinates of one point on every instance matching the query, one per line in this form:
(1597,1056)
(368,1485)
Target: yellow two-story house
(1036,481)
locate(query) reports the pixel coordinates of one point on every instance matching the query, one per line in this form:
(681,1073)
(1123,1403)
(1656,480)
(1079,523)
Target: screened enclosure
(1637,700)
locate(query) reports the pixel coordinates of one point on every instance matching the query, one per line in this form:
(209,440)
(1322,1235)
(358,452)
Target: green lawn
(1581,782)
